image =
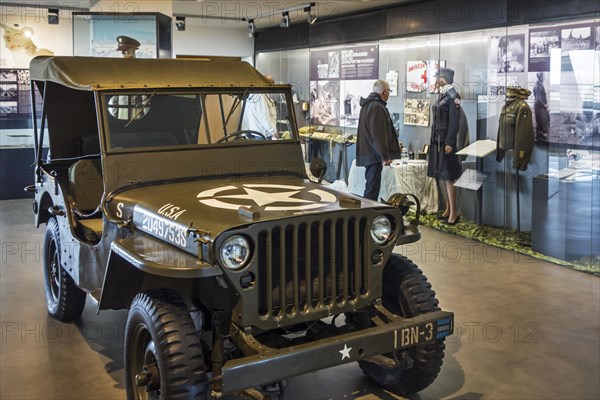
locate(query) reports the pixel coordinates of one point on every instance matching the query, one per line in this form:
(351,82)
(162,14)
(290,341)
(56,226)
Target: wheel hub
(149,378)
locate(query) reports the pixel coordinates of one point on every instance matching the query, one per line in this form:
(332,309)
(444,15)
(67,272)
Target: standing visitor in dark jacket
(444,164)
(377,141)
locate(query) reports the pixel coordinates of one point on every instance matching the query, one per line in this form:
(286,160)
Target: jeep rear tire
(64,300)
(406,292)
(163,356)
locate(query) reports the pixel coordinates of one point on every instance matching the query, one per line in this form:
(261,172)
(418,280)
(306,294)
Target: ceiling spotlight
(53,16)
(180,23)
(285,21)
(28,32)
(310,17)
(251,28)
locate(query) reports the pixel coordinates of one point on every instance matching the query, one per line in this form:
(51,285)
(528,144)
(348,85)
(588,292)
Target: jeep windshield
(152,119)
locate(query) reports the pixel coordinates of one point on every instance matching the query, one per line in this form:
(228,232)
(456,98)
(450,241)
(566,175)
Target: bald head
(269,78)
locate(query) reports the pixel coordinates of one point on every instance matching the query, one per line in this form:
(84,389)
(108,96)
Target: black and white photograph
(319,65)
(23,77)
(507,53)
(325,103)
(539,102)
(334,65)
(8,107)
(8,75)
(576,38)
(350,94)
(541,43)
(8,92)
(416,112)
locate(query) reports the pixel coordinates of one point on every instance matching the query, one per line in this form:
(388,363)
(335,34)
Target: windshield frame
(103,114)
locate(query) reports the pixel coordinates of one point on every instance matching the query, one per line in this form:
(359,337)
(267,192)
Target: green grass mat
(508,240)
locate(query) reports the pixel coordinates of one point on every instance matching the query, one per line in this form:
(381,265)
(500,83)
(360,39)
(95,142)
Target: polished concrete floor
(525,329)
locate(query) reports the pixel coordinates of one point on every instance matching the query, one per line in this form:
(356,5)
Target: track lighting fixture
(251,28)
(285,21)
(310,17)
(180,23)
(53,16)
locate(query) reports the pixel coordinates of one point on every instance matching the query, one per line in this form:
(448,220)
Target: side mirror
(318,167)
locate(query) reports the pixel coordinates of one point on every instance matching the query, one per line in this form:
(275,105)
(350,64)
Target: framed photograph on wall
(416,112)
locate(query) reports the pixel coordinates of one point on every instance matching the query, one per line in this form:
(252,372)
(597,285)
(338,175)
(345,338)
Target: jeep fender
(141,263)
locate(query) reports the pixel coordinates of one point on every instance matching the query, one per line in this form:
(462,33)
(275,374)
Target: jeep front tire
(163,356)
(407,293)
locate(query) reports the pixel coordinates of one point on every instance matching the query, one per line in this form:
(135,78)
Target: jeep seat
(86,189)
(85,184)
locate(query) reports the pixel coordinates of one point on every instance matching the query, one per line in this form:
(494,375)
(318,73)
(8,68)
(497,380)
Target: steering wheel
(243,134)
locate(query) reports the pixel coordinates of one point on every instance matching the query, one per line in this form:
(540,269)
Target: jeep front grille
(309,266)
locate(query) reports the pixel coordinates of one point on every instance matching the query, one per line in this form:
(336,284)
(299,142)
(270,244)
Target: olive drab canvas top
(96,73)
(515,130)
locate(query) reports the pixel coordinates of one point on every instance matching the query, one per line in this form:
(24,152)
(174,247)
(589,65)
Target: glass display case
(95,34)
(542,192)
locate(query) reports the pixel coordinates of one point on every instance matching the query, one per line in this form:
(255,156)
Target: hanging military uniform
(515,130)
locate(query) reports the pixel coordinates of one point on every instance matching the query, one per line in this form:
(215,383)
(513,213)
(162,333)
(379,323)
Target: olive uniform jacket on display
(515,130)
(376,138)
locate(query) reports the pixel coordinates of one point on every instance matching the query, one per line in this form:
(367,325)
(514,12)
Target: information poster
(15,94)
(416,76)
(339,78)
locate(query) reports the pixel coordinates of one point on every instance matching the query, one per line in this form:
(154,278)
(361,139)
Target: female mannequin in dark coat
(444,164)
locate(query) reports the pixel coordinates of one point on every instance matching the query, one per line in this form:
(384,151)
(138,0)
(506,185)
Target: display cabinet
(95,34)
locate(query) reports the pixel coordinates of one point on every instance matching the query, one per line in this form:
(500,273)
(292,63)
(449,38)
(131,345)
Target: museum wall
(211,38)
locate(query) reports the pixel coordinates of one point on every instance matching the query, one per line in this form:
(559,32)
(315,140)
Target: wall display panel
(339,77)
(15,95)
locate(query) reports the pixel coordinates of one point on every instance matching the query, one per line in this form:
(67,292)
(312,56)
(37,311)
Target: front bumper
(272,365)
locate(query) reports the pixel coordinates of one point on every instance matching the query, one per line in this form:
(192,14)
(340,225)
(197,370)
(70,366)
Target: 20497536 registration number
(164,229)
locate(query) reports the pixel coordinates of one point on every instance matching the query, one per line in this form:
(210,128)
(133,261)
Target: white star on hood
(264,198)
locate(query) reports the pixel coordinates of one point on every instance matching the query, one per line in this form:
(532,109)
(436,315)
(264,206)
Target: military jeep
(237,270)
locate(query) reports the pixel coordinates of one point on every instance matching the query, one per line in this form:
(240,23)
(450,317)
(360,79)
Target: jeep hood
(167,211)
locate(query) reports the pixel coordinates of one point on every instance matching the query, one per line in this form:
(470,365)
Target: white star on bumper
(345,352)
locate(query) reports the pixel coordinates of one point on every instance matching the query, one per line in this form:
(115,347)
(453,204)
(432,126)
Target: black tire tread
(406,292)
(71,301)
(176,341)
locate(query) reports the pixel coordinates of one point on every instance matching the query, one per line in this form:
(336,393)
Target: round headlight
(235,252)
(381,229)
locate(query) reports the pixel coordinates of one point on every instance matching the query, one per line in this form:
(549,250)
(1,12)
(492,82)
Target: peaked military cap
(126,41)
